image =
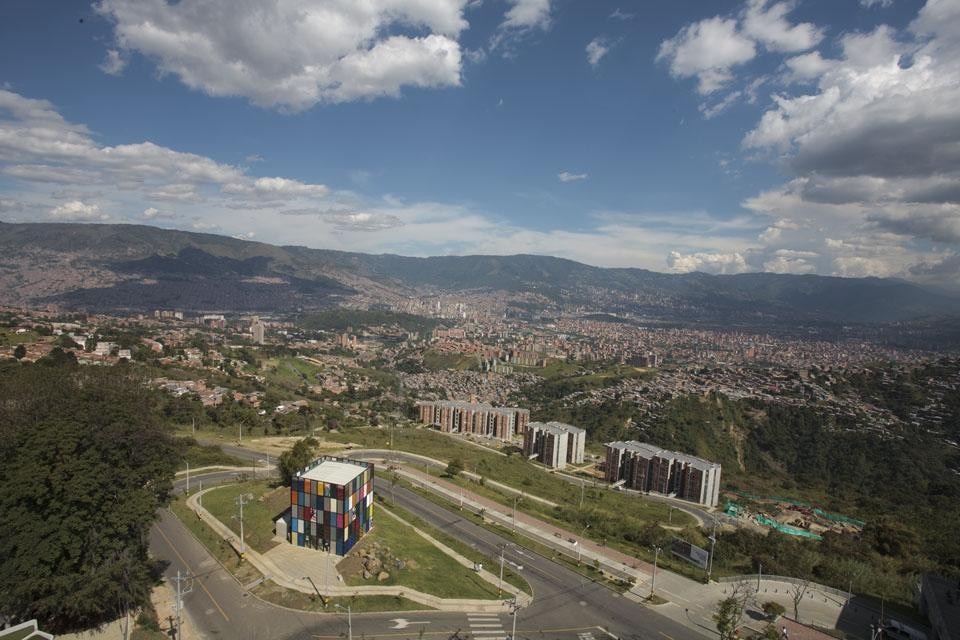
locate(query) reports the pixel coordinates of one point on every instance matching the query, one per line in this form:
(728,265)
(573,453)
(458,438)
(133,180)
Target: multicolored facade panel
(331,504)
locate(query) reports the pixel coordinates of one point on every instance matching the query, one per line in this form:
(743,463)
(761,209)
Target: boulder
(383,575)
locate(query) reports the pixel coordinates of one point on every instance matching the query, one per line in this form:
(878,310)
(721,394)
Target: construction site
(788,516)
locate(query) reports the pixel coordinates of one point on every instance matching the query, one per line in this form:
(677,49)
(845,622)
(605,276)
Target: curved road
(566,605)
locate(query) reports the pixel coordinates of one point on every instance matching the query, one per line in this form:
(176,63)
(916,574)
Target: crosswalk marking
(486,626)
(586,635)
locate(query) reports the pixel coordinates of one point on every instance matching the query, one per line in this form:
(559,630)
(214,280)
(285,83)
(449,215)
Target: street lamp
(349,622)
(653,582)
(577,544)
(515,606)
(241,500)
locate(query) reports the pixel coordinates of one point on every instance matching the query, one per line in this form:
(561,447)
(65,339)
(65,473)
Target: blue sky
(808,136)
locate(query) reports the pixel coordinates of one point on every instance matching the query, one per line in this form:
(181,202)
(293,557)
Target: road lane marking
(665,635)
(190,569)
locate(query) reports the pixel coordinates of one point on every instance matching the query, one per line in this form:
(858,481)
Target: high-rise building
(331,504)
(258,330)
(645,467)
(478,418)
(555,444)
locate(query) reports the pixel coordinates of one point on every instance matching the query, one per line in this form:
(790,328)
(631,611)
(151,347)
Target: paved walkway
(690,603)
(285,565)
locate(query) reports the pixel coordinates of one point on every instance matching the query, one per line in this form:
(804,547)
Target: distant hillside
(131,267)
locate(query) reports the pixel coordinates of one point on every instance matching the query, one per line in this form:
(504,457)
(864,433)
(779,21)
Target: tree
(454,468)
(730,610)
(797,591)
(295,459)
(773,609)
(86,466)
(727,617)
(19,352)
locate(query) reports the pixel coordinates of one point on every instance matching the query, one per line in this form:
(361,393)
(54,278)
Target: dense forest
(86,464)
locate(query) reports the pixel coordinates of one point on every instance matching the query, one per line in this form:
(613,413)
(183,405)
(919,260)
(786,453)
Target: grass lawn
(271,592)
(289,373)
(425,567)
(259,512)
(206,455)
(217,546)
(462,548)
(437,361)
(523,475)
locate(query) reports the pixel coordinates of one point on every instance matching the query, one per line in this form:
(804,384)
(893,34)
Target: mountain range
(128,268)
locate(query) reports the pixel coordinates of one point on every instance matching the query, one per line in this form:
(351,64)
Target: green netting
(785,528)
(733,509)
(833,517)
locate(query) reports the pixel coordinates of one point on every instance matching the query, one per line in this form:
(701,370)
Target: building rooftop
(557,427)
(333,472)
(652,450)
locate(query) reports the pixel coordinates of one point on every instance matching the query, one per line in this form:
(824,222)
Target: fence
(811,585)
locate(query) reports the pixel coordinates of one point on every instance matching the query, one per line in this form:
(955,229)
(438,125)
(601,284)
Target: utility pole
(516,609)
(241,500)
(178,604)
(349,622)
(200,496)
(759,575)
(193,426)
(582,485)
(500,585)
(653,582)
(188,478)
(713,544)
(514,513)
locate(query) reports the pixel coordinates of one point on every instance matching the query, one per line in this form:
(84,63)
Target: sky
(797,136)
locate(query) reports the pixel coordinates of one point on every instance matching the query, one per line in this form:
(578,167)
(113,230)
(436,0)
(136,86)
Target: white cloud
(566,176)
(621,15)
(808,66)
(152,213)
(711,111)
(77,210)
(527,14)
(332,52)
(596,49)
(114,63)
(876,3)
(708,50)
(716,263)
(768,24)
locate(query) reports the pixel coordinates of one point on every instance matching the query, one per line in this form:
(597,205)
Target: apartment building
(555,444)
(452,416)
(645,467)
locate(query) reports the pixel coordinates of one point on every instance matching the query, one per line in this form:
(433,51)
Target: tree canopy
(85,467)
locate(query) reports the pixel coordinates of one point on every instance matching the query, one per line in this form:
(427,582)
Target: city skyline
(800,137)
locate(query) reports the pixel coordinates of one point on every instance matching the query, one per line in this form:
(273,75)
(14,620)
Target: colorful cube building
(331,504)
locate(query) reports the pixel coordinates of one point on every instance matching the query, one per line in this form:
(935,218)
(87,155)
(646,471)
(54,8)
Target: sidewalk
(286,565)
(689,602)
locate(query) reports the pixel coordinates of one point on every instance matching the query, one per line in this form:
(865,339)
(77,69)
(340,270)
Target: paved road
(566,605)
(563,599)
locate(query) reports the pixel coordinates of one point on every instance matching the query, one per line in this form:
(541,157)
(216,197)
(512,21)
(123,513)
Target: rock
(367,575)
(383,575)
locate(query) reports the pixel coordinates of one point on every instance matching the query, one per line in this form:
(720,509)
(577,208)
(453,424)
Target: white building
(555,444)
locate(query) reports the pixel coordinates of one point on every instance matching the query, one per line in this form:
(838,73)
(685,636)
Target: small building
(555,444)
(331,504)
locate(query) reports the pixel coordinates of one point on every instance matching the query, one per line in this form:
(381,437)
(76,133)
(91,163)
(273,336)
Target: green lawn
(436,361)
(426,568)
(290,373)
(259,513)
(271,592)
(601,506)
(217,546)
(462,548)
